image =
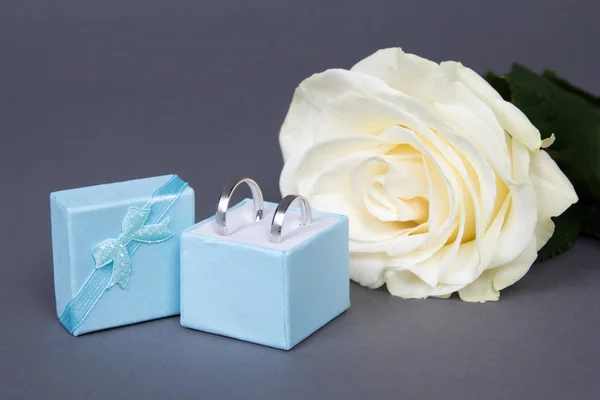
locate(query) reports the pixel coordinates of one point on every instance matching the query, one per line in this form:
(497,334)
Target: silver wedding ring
(279,216)
(223,205)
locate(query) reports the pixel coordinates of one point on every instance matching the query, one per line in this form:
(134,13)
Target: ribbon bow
(114,250)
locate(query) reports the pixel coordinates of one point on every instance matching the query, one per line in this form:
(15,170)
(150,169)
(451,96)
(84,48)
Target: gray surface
(103,91)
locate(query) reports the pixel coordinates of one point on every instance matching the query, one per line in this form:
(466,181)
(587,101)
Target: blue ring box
(245,287)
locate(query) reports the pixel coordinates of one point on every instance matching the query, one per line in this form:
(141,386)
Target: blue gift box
(116,251)
(274,294)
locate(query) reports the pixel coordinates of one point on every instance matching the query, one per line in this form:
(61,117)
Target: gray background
(102,91)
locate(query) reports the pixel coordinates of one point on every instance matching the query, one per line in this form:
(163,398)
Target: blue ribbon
(112,256)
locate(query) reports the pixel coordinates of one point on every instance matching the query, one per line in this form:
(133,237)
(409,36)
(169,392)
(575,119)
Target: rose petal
(516,124)
(491,144)
(555,191)
(487,287)
(406,178)
(302,170)
(512,272)
(300,126)
(481,290)
(406,242)
(407,73)
(520,162)
(389,208)
(471,261)
(433,268)
(365,271)
(519,226)
(549,141)
(425,79)
(442,182)
(510,117)
(457,72)
(407,285)
(555,194)
(363,226)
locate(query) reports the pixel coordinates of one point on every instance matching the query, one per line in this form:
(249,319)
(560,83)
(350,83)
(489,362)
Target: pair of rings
(259,205)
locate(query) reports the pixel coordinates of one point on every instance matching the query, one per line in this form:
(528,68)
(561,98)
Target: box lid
(90,197)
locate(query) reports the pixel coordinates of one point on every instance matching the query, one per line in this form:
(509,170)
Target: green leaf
(553,77)
(591,223)
(567,227)
(500,84)
(574,121)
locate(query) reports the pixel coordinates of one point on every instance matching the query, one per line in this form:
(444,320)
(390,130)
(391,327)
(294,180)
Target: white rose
(444,183)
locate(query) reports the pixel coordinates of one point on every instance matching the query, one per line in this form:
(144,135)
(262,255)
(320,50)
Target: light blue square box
(116,251)
(274,294)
